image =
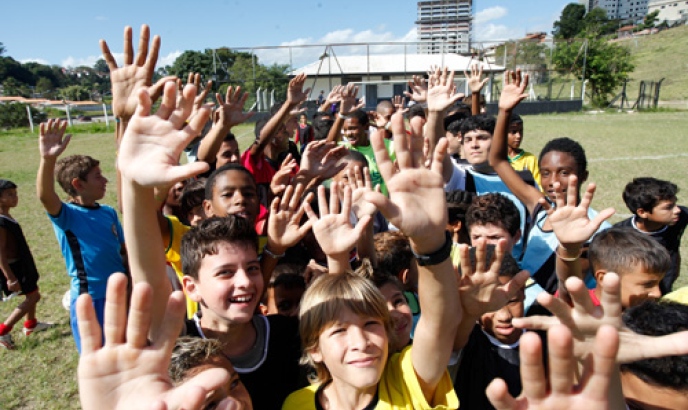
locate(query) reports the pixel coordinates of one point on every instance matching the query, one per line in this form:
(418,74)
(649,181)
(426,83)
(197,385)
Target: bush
(13,115)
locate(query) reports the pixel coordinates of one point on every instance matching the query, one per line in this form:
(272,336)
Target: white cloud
(34,60)
(489,14)
(119,58)
(101,18)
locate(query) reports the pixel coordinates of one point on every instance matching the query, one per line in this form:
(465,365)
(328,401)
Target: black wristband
(439,255)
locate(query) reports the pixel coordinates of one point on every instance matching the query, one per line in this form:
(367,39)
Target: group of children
(390,267)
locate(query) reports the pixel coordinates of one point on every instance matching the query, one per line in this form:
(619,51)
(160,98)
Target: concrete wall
(541,107)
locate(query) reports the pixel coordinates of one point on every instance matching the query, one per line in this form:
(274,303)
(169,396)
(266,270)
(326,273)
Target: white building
(381,77)
(671,11)
(625,10)
(444,26)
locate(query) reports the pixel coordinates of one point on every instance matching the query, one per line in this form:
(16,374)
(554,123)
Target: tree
(2,49)
(101,67)
(45,87)
(14,115)
(570,24)
(13,88)
(191,61)
(597,23)
(607,65)
(650,20)
(75,93)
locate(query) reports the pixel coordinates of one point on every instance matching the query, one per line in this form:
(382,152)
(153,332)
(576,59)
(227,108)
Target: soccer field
(41,373)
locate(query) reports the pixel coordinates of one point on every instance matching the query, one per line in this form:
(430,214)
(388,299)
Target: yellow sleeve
(174,258)
(399,387)
(303,399)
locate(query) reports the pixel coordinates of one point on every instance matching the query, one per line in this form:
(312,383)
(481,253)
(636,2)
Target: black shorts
(28,281)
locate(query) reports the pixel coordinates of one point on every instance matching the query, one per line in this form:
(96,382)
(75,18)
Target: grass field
(41,373)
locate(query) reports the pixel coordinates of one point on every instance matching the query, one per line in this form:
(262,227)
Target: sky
(67,32)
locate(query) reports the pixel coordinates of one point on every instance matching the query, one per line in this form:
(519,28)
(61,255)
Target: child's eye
(399,302)
(234,383)
(373,323)
(337,330)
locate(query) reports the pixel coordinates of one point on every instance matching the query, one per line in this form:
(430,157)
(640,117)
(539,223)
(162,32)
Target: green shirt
(367,152)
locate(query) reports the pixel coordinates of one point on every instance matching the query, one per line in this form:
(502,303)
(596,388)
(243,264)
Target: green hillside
(658,56)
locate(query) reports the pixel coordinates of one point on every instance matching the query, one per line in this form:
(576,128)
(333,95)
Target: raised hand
(480,288)
(199,101)
(282,177)
(416,203)
(475,78)
(332,229)
(322,160)
(348,102)
(334,96)
(441,90)
(360,183)
(569,219)
(51,142)
(230,111)
(295,92)
(514,90)
(598,389)
(399,103)
(137,72)
(129,371)
(284,224)
(419,89)
(150,150)
(584,320)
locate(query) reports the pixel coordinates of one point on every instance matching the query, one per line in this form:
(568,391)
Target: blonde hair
(322,305)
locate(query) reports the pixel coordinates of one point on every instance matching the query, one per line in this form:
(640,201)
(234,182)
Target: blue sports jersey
(90,239)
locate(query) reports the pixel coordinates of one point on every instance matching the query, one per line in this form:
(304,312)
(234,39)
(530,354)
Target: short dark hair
(192,195)
(509,267)
(458,202)
(203,239)
(6,184)
(73,166)
(568,146)
(354,155)
(393,251)
(494,208)
(646,192)
(321,125)
(515,119)
(619,249)
(659,318)
(229,137)
(452,123)
(361,116)
(459,107)
(482,122)
(416,110)
(210,183)
(191,352)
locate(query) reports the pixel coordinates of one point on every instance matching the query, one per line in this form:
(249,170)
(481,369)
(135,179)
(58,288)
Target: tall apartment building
(444,26)
(628,11)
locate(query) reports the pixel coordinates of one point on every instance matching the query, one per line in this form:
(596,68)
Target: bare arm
(229,114)
(347,96)
(511,96)
(476,84)
(148,159)
(417,206)
(295,95)
(12,283)
(51,145)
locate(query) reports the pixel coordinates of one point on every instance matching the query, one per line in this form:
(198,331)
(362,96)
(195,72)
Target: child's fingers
(480,252)
(296,197)
(388,209)
(532,369)
(172,324)
(115,309)
(153,56)
(582,302)
(498,394)
(534,322)
(286,198)
(438,156)
(169,101)
(139,321)
(611,296)
(128,47)
(312,217)
(142,52)
(561,360)
(89,328)
(466,267)
(384,164)
(572,191)
(193,392)
(186,171)
(604,372)
(346,203)
(322,201)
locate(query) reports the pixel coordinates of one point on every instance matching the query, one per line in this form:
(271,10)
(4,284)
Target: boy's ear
(77,184)
(599,275)
(642,214)
(517,235)
(208,208)
(403,275)
(190,289)
(315,354)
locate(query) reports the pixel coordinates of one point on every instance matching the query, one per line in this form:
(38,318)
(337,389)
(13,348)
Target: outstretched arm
(347,98)
(598,389)
(230,112)
(480,289)
(51,144)
(573,229)
(295,96)
(130,371)
(585,319)
(440,96)
(512,95)
(417,206)
(149,158)
(475,83)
